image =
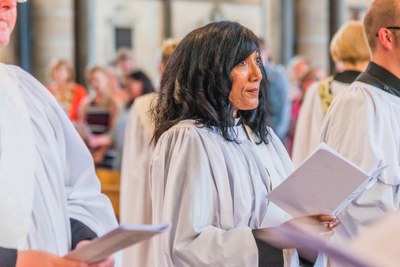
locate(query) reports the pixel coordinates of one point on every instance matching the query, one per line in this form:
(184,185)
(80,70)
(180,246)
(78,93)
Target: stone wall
(312,28)
(54,36)
(146,20)
(53,33)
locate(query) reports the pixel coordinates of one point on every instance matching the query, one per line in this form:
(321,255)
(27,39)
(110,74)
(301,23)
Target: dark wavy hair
(197,81)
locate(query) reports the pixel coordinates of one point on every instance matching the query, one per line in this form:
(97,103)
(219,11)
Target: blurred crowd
(99,109)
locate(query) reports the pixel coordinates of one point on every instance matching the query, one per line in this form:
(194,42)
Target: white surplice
(213,193)
(50,173)
(308,128)
(363,124)
(135,199)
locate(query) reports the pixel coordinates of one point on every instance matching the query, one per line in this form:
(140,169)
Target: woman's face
(246,77)
(8,16)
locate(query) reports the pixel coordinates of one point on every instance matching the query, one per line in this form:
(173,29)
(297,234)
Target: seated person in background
(98,116)
(50,195)
(62,85)
(349,50)
(215,159)
(118,93)
(297,67)
(123,65)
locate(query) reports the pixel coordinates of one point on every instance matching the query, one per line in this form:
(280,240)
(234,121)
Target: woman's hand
(330,221)
(108,262)
(321,224)
(33,258)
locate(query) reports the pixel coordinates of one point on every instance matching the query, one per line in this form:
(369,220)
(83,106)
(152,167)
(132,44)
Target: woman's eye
(258,61)
(243,63)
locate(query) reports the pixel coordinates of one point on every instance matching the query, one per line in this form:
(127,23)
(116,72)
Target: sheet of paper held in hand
(326,182)
(376,245)
(115,240)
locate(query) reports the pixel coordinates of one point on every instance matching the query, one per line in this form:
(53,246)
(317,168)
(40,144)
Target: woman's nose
(256,74)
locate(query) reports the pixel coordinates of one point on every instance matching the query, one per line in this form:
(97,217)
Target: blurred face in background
(61,74)
(8,17)
(300,69)
(125,66)
(99,82)
(135,87)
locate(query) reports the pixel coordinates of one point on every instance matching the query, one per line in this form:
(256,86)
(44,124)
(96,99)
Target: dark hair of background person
(141,76)
(197,81)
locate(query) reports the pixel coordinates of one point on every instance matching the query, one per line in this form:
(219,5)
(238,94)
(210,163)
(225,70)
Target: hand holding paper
(317,224)
(118,239)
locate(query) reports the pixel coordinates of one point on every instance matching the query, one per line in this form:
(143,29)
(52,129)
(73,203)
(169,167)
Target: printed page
(326,182)
(118,239)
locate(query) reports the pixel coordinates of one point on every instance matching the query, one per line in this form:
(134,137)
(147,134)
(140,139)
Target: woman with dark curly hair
(215,159)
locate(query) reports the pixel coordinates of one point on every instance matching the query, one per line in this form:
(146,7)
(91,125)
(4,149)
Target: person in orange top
(63,86)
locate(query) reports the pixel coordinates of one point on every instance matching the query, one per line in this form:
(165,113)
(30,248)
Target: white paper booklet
(325,183)
(115,240)
(375,246)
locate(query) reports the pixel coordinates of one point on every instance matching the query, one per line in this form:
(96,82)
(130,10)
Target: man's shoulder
(14,70)
(20,75)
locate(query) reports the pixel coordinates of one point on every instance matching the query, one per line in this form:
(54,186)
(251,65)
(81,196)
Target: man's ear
(386,38)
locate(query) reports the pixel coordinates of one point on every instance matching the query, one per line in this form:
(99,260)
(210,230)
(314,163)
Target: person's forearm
(8,257)
(79,232)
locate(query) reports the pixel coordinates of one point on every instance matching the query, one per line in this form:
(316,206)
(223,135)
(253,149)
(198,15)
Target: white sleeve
(307,133)
(66,160)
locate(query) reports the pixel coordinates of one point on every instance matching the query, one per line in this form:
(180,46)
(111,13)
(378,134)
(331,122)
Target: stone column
(336,14)
(288,31)
(274,29)
(53,30)
(167,12)
(312,27)
(81,28)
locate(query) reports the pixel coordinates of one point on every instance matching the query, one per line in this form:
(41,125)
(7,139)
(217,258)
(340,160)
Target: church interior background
(91,31)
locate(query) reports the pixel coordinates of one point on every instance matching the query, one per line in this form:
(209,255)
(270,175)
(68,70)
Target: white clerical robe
(135,199)
(46,167)
(307,136)
(213,192)
(363,124)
